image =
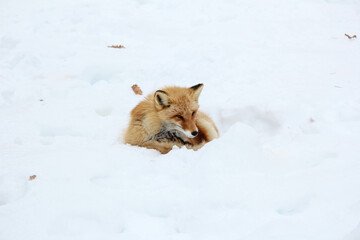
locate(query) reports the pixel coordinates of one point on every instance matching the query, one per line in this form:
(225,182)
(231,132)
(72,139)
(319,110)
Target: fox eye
(179,116)
(193,114)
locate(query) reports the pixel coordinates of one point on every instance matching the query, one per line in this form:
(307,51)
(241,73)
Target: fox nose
(194,133)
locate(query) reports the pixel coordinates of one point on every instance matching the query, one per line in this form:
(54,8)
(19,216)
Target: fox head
(177,108)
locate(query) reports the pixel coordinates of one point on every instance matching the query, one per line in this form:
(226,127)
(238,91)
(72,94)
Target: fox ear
(197,90)
(161,99)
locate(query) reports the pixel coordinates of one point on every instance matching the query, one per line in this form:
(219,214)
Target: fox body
(170,117)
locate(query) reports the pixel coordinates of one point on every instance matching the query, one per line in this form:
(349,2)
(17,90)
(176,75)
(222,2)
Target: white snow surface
(281,82)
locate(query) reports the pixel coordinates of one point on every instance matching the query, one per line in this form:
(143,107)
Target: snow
(281,82)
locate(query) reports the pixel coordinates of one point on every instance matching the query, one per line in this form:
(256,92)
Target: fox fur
(169,117)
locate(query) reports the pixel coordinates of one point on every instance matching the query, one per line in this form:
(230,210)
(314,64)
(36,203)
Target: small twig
(349,37)
(116,46)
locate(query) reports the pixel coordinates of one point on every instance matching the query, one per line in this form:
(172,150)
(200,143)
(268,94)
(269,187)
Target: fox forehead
(181,98)
(182,107)
(178,92)
(182,101)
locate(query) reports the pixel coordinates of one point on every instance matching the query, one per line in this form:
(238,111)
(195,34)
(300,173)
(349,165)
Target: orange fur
(170,117)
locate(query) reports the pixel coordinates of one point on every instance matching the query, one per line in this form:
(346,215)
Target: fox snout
(191,134)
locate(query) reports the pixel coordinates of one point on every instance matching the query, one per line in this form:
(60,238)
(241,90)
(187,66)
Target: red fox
(170,117)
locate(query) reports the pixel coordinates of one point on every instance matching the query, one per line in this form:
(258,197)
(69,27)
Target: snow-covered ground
(281,82)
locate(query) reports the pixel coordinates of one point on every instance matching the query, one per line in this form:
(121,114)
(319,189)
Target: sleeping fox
(169,117)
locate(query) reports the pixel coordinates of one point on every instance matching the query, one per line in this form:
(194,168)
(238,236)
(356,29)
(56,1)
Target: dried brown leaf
(136,89)
(32,177)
